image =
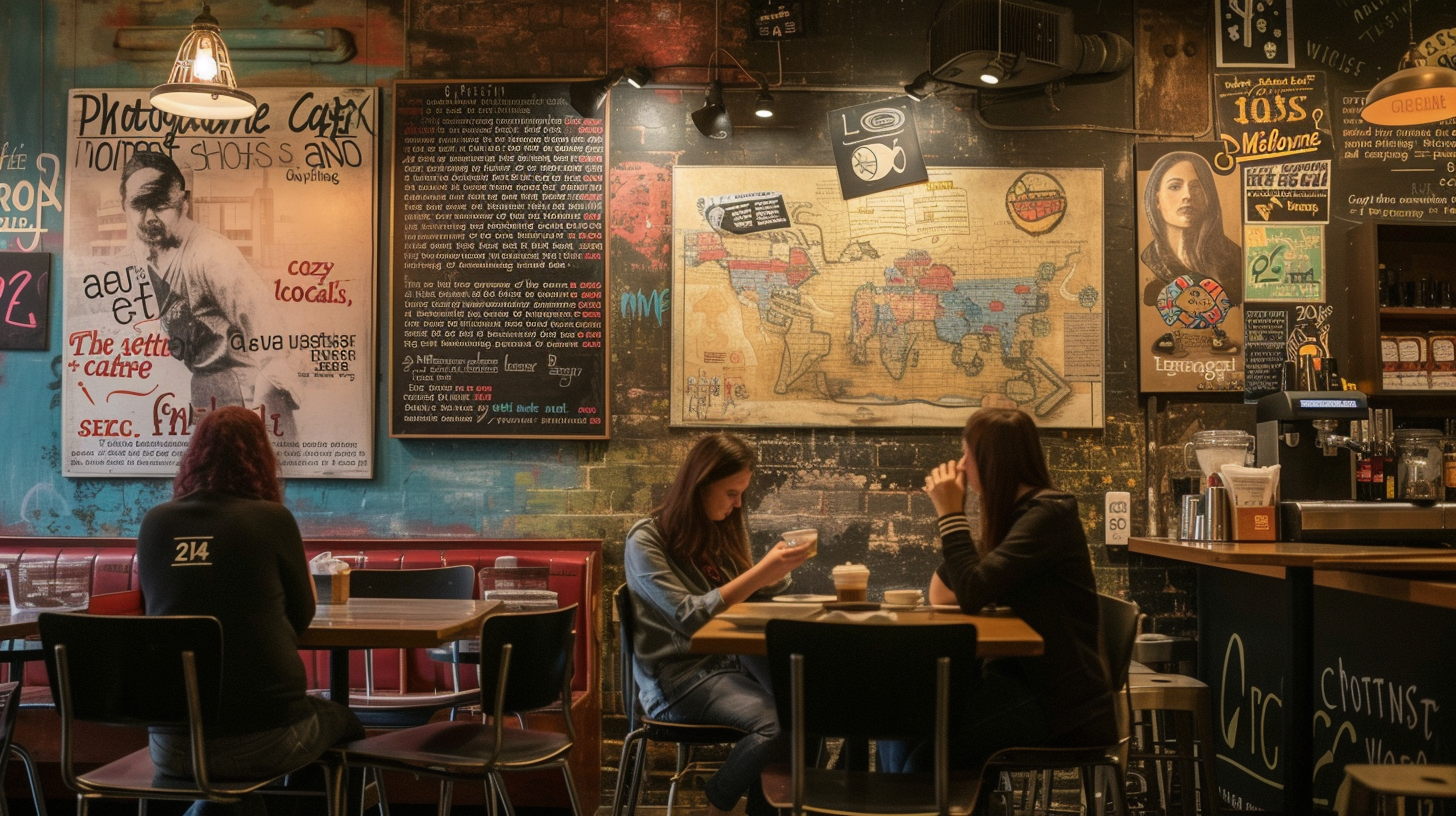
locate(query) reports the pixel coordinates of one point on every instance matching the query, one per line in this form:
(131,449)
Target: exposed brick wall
(860,488)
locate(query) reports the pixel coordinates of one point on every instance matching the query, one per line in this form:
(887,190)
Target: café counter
(1318,656)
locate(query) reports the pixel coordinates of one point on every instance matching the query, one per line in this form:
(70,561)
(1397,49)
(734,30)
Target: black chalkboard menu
(498,276)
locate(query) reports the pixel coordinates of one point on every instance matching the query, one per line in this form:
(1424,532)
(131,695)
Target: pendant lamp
(202,84)
(1416,94)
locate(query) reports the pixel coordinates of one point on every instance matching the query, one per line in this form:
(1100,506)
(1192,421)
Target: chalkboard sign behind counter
(499,276)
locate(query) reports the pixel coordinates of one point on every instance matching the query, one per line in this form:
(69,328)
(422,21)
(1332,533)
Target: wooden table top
(1266,553)
(394,623)
(996,636)
(14,625)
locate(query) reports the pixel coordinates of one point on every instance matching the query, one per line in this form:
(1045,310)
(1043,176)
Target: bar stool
(1187,703)
(1365,785)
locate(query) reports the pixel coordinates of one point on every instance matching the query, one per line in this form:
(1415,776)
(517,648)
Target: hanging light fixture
(1416,94)
(202,84)
(712,118)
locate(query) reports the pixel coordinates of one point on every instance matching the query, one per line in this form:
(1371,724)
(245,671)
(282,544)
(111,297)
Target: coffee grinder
(1303,432)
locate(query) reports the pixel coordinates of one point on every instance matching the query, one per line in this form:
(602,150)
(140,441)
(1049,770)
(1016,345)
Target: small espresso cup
(851,582)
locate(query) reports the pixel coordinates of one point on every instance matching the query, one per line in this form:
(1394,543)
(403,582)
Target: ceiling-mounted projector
(1016,43)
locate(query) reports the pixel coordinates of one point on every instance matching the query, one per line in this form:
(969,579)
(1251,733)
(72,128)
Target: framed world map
(911,307)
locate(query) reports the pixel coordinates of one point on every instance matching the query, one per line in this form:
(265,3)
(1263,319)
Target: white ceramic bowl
(904,597)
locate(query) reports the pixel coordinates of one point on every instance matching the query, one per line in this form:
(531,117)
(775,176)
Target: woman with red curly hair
(225,546)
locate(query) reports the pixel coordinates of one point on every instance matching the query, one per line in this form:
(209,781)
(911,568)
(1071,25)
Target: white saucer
(912,608)
(804,599)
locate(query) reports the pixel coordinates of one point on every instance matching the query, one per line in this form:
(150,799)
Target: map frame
(721,388)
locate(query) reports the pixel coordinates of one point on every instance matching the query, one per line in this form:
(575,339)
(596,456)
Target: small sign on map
(743,213)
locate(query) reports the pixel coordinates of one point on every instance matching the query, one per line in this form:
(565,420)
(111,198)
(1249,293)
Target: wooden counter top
(1430,593)
(1266,553)
(1368,570)
(1430,562)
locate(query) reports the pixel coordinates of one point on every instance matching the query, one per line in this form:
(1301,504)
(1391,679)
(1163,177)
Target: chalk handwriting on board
(17,285)
(24,295)
(23,203)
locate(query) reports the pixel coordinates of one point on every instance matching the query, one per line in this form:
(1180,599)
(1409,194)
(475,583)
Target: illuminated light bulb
(204,67)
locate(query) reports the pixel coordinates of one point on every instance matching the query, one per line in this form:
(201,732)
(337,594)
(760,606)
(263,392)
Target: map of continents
(912,307)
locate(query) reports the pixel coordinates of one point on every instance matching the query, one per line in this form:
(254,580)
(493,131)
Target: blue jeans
(1003,713)
(742,699)
(260,755)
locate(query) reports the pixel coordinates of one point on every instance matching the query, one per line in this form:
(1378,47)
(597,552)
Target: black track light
(638,76)
(926,86)
(587,97)
(712,118)
(763,107)
(994,72)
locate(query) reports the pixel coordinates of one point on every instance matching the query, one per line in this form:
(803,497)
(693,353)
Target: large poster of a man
(220,263)
(1190,270)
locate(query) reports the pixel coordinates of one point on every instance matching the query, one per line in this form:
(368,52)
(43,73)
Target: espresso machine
(1307,433)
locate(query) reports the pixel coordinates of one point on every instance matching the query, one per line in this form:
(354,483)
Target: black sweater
(240,561)
(1043,571)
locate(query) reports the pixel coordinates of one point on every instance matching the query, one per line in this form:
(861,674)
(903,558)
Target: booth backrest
(575,566)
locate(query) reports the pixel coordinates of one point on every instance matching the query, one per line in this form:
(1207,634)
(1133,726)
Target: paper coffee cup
(851,582)
(803,538)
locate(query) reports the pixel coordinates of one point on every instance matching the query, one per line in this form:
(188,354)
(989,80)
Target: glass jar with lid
(1419,468)
(1211,450)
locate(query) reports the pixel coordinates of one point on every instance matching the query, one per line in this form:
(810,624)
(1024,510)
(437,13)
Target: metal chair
(1119,631)
(869,682)
(403,709)
(643,730)
(16,653)
(526,665)
(142,672)
(9,707)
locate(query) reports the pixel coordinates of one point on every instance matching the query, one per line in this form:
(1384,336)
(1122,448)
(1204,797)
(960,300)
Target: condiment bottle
(1448,460)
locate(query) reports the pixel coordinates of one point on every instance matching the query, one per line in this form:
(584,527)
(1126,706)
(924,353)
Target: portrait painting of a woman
(1191,278)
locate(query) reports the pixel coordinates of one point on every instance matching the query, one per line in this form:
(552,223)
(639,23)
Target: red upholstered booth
(575,570)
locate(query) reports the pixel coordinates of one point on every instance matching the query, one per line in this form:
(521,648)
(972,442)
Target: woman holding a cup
(685,563)
(1031,556)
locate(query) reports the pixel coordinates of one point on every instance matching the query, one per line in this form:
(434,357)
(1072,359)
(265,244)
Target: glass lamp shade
(202,84)
(1418,95)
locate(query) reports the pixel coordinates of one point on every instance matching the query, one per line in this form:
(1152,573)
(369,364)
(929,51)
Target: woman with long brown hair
(1032,556)
(226,547)
(685,563)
